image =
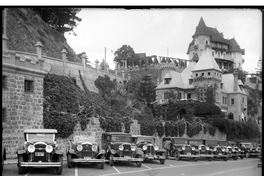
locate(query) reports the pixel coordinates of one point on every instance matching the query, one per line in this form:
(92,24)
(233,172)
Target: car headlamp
(49,148)
(207,148)
(121,147)
(215,149)
(193,148)
(223,149)
(183,147)
(200,148)
(233,150)
(144,147)
(156,147)
(31,148)
(133,148)
(79,148)
(94,148)
(239,150)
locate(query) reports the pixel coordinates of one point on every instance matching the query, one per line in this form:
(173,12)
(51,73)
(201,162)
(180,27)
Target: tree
(126,52)
(147,91)
(61,19)
(104,85)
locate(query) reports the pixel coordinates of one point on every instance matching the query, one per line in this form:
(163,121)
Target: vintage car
(232,153)
(240,153)
(84,149)
(119,147)
(181,149)
(150,149)
(204,151)
(248,149)
(220,152)
(40,150)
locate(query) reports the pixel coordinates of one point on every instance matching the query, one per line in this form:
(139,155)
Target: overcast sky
(163,32)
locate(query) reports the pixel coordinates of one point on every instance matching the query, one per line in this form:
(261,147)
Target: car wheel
(235,158)
(242,157)
(59,169)
(177,156)
(102,165)
(247,155)
(69,163)
(195,159)
(225,159)
(20,169)
(162,161)
(209,158)
(139,163)
(111,160)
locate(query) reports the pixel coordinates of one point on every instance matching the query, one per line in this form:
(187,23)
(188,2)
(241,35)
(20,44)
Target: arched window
(231,116)
(218,55)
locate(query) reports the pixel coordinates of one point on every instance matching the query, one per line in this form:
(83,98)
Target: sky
(163,32)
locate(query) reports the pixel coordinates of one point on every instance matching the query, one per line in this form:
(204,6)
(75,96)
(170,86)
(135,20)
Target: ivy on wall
(147,128)
(110,124)
(160,128)
(193,129)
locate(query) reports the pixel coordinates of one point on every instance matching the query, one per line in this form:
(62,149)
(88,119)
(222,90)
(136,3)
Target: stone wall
(23,110)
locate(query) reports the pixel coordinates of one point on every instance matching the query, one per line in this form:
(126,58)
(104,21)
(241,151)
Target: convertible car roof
(40,131)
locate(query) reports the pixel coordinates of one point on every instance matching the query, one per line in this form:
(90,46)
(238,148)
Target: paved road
(245,167)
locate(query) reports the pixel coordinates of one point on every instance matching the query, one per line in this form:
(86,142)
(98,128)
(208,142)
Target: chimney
(235,80)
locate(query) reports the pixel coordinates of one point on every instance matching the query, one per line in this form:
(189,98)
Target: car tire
(195,159)
(242,157)
(69,163)
(139,163)
(209,158)
(102,165)
(235,158)
(177,156)
(20,169)
(162,161)
(111,160)
(225,159)
(59,169)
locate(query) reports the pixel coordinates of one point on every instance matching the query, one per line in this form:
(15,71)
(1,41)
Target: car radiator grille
(127,150)
(87,150)
(150,150)
(40,150)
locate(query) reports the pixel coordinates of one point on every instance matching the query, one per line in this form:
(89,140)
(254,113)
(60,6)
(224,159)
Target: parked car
(40,150)
(119,147)
(181,149)
(232,153)
(240,153)
(150,149)
(204,151)
(248,149)
(219,152)
(84,149)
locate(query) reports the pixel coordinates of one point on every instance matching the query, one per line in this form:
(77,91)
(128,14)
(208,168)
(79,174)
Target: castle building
(212,58)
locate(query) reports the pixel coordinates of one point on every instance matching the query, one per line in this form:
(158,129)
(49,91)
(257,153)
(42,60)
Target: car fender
(102,152)
(21,152)
(58,152)
(71,151)
(139,152)
(112,151)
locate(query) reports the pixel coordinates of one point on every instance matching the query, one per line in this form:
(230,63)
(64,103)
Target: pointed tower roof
(201,29)
(206,61)
(234,47)
(195,57)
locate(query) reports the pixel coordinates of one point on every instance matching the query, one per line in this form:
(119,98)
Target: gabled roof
(234,47)
(206,61)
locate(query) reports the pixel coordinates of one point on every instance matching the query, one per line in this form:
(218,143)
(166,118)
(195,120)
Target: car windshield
(146,140)
(40,137)
(195,142)
(121,139)
(180,141)
(84,139)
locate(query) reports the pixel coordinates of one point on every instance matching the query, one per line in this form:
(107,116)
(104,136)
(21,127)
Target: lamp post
(105,53)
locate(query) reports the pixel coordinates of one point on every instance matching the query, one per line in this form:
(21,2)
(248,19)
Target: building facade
(212,58)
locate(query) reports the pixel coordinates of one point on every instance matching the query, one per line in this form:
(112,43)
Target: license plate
(87,158)
(219,153)
(188,154)
(39,154)
(127,157)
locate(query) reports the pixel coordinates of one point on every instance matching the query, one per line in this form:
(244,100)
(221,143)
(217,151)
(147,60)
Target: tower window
(202,74)
(221,85)
(196,74)
(232,101)
(29,86)
(209,73)
(167,80)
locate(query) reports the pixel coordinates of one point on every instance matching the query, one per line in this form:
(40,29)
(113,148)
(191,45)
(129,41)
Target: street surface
(245,167)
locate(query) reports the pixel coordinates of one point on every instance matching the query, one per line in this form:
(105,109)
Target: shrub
(160,128)
(181,127)
(147,128)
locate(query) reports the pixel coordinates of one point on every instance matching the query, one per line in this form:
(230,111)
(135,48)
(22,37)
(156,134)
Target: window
(218,55)
(29,86)
(223,100)
(202,74)
(190,81)
(4,82)
(209,73)
(232,101)
(189,96)
(3,114)
(166,95)
(221,85)
(196,74)
(243,100)
(212,53)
